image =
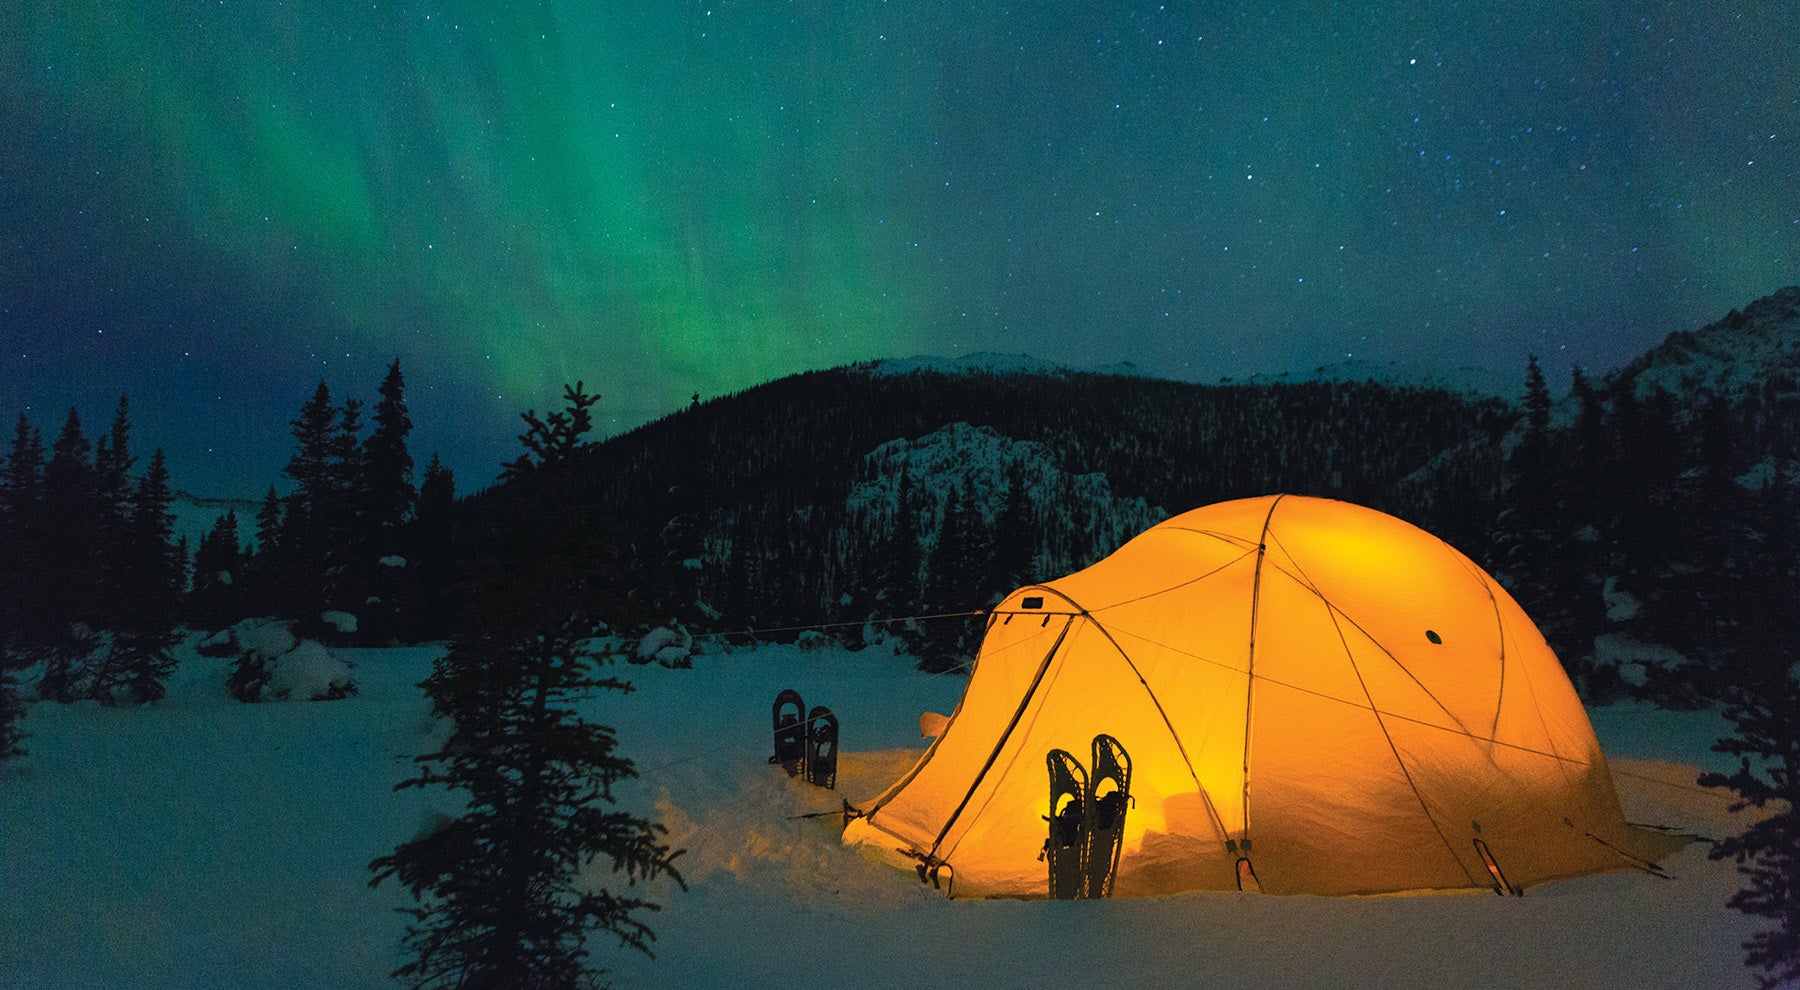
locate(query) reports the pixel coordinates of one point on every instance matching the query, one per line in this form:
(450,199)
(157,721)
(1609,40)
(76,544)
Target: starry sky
(212,204)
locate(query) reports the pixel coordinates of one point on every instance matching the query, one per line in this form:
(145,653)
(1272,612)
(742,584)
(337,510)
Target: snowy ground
(202,842)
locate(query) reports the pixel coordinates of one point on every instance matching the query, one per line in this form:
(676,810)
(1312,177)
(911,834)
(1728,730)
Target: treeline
(353,537)
(733,514)
(1643,519)
(94,587)
(90,582)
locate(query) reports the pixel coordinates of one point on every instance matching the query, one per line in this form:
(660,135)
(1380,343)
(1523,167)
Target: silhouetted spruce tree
(71,521)
(21,480)
(1764,705)
(348,544)
(387,503)
(299,569)
(12,711)
(109,586)
(214,601)
(1015,539)
(266,571)
(955,575)
(430,554)
(139,659)
(21,544)
(502,896)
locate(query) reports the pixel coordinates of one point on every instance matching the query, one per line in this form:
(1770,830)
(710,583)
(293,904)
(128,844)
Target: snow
(979,460)
(306,672)
(1621,606)
(267,637)
(991,363)
(343,622)
(204,842)
(1632,657)
(1468,380)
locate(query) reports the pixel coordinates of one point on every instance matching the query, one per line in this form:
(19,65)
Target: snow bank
(1633,659)
(202,842)
(273,665)
(343,622)
(669,646)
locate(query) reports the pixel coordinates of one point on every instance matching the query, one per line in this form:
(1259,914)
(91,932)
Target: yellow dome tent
(1316,698)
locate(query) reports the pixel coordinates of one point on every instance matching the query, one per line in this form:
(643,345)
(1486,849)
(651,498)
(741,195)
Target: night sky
(211,205)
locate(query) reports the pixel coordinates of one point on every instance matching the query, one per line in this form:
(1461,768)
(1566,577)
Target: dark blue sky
(211,206)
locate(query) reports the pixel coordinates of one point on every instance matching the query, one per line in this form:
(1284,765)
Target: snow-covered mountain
(992,363)
(1749,349)
(1469,380)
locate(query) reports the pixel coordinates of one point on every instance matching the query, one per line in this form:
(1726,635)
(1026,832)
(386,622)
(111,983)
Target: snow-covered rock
(343,622)
(1621,606)
(669,646)
(1633,659)
(308,671)
(274,665)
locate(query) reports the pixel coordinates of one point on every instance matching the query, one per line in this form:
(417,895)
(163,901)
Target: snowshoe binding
(1068,834)
(1108,794)
(790,732)
(822,748)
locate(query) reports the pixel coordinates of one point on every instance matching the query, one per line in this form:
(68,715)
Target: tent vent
(1035,601)
(1432,635)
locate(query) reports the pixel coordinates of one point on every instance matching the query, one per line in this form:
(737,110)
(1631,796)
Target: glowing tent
(1317,698)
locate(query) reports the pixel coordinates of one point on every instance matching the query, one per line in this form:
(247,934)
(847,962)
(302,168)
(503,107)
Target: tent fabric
(1321,689)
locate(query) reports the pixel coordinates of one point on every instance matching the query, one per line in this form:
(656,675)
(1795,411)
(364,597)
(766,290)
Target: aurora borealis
(210,205)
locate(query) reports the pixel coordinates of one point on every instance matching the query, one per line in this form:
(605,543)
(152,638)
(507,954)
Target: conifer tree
(387,464)
(267,572)
(299,569)
(20,479)
(954,577)
(139,659)
(501,897)
(70,518)
(21,510)
(109,585)
(12,710)
(429,562)
(218,573)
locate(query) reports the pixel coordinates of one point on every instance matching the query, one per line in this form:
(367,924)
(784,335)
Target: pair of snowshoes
(805,746)
(1087,819)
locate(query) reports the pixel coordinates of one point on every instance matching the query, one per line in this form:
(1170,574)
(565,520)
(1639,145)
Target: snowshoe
(1108,795)
(790,732)
(822,748)
(1068,835)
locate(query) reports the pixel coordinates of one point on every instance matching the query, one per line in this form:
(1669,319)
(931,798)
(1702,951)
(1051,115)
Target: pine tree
(12,711)
(387,500)
(390,496)
(266,572)
(301,566)
(21,549)
(139,659)
(218,573)
(20,481)
(500,897)
(110,586)
(429,559)
(1762,700)
(954,578)
(70,523)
